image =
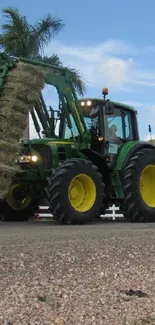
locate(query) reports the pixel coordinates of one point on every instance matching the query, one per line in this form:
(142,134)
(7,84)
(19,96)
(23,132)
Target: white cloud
(135,104)
(149,115)
(100,64)
(93,52)
(146,114)
(146,83)
(148,137)
(113,63)
(119,68)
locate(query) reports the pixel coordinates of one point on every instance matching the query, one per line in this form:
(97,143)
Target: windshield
(91,120)
(89,123)
(68,133)
(119,126)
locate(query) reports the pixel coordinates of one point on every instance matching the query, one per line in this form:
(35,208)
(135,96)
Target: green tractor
(89,158)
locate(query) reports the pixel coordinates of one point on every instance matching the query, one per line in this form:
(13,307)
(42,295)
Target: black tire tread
(8,214)
(134,213)
(52,189)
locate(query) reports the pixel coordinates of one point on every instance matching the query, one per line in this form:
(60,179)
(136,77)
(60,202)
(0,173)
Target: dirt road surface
(77,275)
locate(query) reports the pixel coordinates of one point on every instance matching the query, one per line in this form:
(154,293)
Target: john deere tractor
(89,157)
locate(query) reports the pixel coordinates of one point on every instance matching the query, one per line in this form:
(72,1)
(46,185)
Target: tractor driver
(113,130)
(112,134)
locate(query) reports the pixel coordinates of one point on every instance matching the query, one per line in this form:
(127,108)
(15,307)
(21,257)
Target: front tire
(139,186)
(75,192)
(14,209)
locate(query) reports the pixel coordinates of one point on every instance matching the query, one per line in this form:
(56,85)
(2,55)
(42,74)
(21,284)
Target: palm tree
(19,38)
(78,80)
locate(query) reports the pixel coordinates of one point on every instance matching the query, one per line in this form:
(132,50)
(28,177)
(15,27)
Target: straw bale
(8,150)
(11,146)
(12,117)
(15,104)
(22,88)
(6,174)
(31,69)
(27,79)
(28,75)
(4,186)
(24,93)
(21,91)
(13,132)
(8,170)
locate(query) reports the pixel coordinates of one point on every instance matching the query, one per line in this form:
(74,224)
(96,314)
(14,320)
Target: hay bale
(27,80)
(6,174)
(21,90)
(12,148)
(17,118)
(12,133)
(15,104)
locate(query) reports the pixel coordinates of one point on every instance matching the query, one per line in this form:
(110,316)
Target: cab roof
(115,103)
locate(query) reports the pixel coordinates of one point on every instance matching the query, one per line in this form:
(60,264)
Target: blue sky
(111,42)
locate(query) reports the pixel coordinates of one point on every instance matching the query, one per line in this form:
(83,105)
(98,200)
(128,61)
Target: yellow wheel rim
(82,193)
(147,185)
(15,204)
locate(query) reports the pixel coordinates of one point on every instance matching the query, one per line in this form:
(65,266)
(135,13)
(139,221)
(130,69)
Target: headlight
(34,158)
(89,103)
(82,103)
(27,159)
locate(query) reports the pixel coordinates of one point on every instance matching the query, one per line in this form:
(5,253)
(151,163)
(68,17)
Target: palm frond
(78,81)
(43,31)
(15,32)
(19,38)
(54,60)
(15,22)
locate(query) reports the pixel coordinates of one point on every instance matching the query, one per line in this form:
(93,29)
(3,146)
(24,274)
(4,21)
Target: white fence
(112,213)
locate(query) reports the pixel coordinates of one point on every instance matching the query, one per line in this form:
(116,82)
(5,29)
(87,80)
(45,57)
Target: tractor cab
(111,124)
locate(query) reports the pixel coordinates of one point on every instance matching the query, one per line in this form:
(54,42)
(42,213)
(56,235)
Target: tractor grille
(45,154)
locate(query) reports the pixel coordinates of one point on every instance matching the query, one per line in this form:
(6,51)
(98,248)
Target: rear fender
(127,152)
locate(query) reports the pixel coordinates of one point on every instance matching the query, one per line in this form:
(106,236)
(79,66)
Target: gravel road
(77,275)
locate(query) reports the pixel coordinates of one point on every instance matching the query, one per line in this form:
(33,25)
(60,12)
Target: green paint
(124,151)
(115,179)
(34,178)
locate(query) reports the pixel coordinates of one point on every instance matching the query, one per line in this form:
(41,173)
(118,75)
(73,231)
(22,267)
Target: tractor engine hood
(48,141)
(61,142)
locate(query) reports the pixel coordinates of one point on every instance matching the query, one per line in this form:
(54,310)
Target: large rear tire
(139,186)
(14,209)
(75,192)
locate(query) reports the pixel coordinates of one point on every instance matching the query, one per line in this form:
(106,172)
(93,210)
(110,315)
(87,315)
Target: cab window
(119,125)
(128,126)
(114,126)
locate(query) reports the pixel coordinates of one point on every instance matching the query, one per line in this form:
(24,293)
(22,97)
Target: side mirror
(109,108)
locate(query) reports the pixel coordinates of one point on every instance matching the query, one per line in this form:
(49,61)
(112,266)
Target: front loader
(94,160)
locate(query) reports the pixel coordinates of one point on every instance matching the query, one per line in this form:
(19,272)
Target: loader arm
(61,79)
(39,111)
